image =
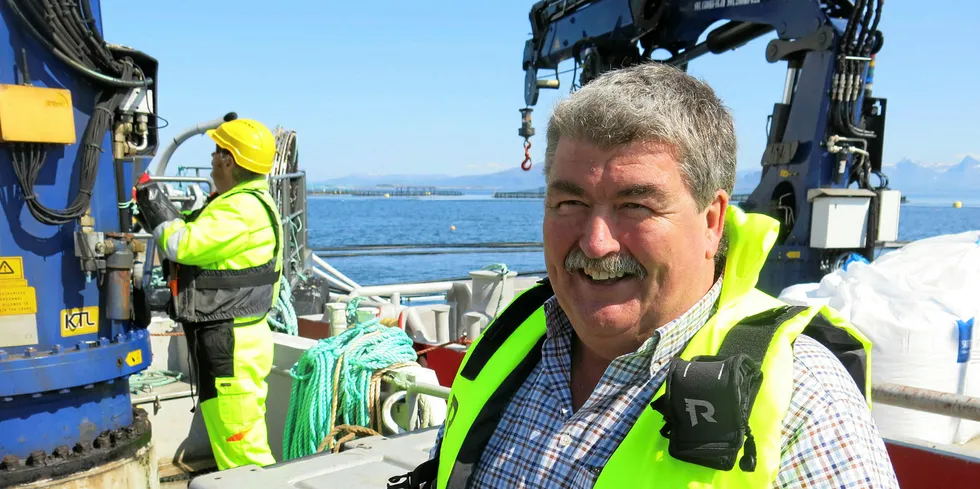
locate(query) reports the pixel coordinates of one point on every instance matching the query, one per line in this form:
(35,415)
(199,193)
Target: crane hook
(526,164)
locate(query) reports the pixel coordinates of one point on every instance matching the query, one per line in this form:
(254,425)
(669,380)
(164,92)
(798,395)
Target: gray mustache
(612,264)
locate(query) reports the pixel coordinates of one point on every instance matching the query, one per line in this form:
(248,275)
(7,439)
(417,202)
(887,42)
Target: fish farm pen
(387,192)
(539,194)
(521,194)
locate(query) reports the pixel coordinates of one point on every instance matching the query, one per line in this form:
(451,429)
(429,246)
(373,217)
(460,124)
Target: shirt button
(564,440)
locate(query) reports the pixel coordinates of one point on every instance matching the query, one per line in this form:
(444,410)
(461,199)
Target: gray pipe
(161,165)
(931,401)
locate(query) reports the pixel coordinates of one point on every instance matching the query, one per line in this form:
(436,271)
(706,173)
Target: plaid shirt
(828,436)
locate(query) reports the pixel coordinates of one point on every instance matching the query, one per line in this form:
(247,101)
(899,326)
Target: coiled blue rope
(332,381)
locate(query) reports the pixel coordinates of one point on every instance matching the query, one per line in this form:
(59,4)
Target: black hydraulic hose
(72,17)
(865,24)
(847,108)
(871,238)
(841,106)
(842,115)
(90,19)
(869,45)
(38,21)
(864,48)
(849,33)
(93,37)
(61,38)
(837,108)
(861,29)
(854,43)
(60,22)
(835,116)
(102,56)
(99,77)
(95,55)
(125,216)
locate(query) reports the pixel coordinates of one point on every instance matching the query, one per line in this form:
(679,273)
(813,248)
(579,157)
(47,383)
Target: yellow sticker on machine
(134,358)
(17,300)
(79,321)
(11,268)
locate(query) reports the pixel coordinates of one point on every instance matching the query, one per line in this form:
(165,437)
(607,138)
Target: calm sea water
(478,218)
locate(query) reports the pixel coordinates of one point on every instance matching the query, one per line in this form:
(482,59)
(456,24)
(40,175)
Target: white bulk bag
(915,304)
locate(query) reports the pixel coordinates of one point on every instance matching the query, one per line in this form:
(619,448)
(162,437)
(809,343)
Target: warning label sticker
(11,268)
(79,321)
(134,358)
(17,300)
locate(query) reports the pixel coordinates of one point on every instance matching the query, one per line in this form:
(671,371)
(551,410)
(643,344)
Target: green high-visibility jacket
(498,362)
(228,257)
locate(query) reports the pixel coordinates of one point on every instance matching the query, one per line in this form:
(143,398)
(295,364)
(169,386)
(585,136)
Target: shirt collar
(667,341)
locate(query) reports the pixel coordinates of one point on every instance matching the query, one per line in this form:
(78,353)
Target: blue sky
(435,86)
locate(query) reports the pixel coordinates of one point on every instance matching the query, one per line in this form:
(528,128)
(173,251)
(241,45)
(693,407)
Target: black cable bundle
(859,39)
(70,35)
(29,157)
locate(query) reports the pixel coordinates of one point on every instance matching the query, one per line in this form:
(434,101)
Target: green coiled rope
(146,380)
(282,317)
(332,381)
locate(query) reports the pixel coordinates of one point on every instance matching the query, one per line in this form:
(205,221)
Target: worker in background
(648,358)
(224,264)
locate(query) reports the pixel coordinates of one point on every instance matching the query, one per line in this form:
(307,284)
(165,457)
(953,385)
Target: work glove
(141,224)
(154,206)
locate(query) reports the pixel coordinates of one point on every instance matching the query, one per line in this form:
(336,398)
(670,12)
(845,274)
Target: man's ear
(714,216)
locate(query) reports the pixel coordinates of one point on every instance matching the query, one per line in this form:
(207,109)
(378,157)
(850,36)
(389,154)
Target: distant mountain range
(915,178)
(907,176)
(507,180)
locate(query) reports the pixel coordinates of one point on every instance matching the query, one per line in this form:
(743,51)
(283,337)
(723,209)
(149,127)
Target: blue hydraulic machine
(77,123)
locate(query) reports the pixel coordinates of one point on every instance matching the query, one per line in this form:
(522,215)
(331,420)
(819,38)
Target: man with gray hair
(648,358)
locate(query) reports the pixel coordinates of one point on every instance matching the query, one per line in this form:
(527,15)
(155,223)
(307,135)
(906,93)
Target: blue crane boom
(825,133)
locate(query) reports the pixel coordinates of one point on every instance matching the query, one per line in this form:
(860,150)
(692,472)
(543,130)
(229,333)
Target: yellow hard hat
(251,144)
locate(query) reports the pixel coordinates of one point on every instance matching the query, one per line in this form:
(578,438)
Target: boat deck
(184,454)
(364,463)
